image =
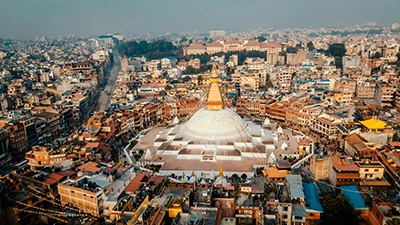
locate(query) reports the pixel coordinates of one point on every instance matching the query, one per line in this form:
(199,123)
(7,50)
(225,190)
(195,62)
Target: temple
(214,137)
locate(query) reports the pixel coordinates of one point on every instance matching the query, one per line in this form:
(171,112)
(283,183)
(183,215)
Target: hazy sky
(29,18)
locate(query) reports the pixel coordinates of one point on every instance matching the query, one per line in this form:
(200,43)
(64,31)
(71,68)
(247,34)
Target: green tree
(376,55)
(398,60)
(168,87)
(310,46)
(337,210)
(183,39)
(337,50)
(261,39)
(395,137)
(190,70)
(394,221)
(186,79)
(235,176)
(269,84)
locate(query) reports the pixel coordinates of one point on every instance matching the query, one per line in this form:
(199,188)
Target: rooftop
(374,124)
(354,197)
(312,198)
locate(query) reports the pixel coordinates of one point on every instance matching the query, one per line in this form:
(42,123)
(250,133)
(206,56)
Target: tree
(235,176)
(183,39)
(261,39)
(336,49)
(395,137)
(168,87)
(376,55)
(186,79)
(337,210)
(269,84)
(190,70)
(291,49)
(310,46)
(394,221)
(398,59)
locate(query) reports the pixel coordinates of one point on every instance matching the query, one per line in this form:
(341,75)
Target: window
(284,216)
(366,170)
(285,208)
(376,170)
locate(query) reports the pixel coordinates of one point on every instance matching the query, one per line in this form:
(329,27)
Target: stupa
(214,137)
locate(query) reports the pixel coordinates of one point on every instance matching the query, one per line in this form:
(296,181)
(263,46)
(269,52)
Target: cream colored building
(326,125)
(252,81)
(195,49)
(77,193)
(272,56)
(371,170)
(319,166)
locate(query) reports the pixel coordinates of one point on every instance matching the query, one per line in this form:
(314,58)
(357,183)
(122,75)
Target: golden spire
(193,173)
(221,172)
(214,76)
(214,100)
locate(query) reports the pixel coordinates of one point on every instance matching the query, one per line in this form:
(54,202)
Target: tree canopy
(261,39)
(337,50)
(310,46)
(337,210)
(152,50)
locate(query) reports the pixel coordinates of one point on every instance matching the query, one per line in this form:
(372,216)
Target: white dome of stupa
(214,126)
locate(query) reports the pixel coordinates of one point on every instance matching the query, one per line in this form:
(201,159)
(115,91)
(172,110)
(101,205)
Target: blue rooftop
(295,187)
(311,194)
(354,197)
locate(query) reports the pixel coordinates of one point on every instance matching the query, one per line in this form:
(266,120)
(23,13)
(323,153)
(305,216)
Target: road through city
(104,99)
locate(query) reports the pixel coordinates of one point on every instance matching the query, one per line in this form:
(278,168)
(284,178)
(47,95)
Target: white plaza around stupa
(214,137)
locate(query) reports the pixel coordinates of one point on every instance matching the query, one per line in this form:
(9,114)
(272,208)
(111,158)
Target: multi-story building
(285,213)
(43,156)
(249,214)
(313,207)
(319,166)
(351,62)
(272,56)
(195,63)
(250,81)
(18,139)
(357,148)
(217,34)
(365,90)
(194,49)
(5,157)
(52,124)
(326,125)
(343,171)
(215,47)
(277,110)
(385,93)
(85,195)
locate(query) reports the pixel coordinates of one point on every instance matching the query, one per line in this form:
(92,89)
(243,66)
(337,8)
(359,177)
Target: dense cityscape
(263,126)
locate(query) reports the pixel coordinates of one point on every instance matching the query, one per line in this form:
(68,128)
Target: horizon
(27,19)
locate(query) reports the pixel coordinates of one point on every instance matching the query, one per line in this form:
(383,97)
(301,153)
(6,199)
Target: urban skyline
(27,19)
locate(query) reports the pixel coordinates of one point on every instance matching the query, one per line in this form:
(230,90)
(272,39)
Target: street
(104,99)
